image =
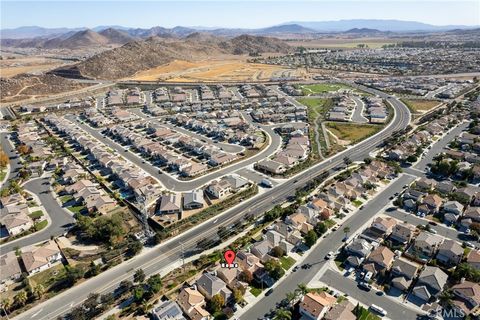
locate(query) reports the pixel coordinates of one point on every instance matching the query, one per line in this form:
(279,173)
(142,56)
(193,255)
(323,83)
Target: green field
(36,214)
(40,225)
(366,315)
(287,262)
(322,88)
(256,291)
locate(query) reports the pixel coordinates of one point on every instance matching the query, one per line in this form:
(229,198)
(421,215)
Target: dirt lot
(13,65)
(421,106)
(214,70)
(346,43)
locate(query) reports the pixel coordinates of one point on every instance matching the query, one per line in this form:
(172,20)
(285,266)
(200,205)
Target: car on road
(433,223)
(345,239)
(380,293)
(365,286)
(329,255)
(295,269)
(391,198)
(361,208)
(269,292)
(378,310)
(470,245)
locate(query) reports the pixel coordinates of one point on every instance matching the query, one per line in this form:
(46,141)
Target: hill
(116,36)
(141,55)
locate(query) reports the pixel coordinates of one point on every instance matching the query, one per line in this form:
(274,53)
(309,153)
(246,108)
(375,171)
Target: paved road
(164,254)
(395,310)
(330,243)
(182,186)
(60,219)
(357,115)
(15,163)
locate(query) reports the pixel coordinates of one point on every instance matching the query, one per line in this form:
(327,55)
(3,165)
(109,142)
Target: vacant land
(351,131)
(215,70)
(322,88)
(373,43)
(419,105)
(12,66)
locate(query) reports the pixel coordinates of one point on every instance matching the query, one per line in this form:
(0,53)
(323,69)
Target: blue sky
(245,14)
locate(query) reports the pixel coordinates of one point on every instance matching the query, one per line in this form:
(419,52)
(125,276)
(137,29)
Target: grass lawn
(353,132)
(76,209)
(40,225)
(287,262)
(367,315)
(420,105)
(357,203)
(322,87)
(47,277)
(256,291)
(36,214)
(66,198)
(3,173)
(329,223)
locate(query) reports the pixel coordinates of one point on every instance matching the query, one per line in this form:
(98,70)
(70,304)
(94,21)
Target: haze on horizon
(229,14)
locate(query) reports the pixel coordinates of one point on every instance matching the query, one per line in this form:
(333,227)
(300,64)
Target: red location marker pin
(229,256)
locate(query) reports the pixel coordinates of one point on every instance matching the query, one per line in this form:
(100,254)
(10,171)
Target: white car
(329,255)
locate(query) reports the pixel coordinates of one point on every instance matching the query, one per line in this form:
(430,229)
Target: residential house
(450,252)
(170,204)
(473,259)
(261,249)
(430,283)
(425,184)
(192,302)
(167,310)
(219,189)
(16,223)
(432,203)
(381,258)
(193,199)
(315,305)
(426,243)
(403,272)
(37,259)
(467,296)
(271,166)
(402,232)
(359,247)
(248,261)
(11,270)
(210,285)
(454,207)
(384,224)
(341,311)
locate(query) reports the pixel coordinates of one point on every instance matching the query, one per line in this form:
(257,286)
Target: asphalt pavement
(60,219)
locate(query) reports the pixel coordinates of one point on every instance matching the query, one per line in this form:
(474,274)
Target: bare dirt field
(12,66)
(215,70)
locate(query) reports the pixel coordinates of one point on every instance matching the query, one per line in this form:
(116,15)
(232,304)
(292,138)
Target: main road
(155,260)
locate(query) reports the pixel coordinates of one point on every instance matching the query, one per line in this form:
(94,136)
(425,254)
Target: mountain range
(295,27)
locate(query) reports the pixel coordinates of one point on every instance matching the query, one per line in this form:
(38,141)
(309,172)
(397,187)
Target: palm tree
(445,298)
(20,298)
(6,305)
(291,296)
(283,314)
(38,291)
(302,289)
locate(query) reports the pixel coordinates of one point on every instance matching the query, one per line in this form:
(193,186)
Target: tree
(91,302)
(138,293)
(78,313)
(38,291)
(107,298)
(445,298)
(155,283)
(246,276)
(283,314)
(72,274)
(274,269)
(216,303)
(320,228)
(278,252)
(291,297)
(6,304)
(237,295)
(135,247)
(302,289)
(20,298)
(125,286)
(4,160)
(311,238)
(139,276)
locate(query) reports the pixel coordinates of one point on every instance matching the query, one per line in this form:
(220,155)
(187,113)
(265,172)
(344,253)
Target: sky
(229,13)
